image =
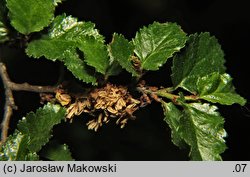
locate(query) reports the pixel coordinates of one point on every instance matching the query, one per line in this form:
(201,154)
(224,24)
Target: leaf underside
(172,118)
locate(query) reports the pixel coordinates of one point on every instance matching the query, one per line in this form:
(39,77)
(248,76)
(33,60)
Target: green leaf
(66,37)
(78,67)
(57,152)
(56,2)
(38,126)
(29,16)
(69,28)
(158,42)
(121,50)
(218,88)
(15,148)
(202,56)
(58,49)
(95,53)
(3,30)
(85,37)
(172,118)
(33,132)
(201,127)
(53,49)
(113,69)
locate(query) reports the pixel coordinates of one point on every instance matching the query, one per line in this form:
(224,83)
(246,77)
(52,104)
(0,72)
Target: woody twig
(9,106)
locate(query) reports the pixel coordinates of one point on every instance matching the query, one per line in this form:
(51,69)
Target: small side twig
(9,106)
(30,88)
(165,92)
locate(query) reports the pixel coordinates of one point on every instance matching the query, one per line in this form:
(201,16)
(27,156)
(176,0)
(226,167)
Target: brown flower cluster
(103,103)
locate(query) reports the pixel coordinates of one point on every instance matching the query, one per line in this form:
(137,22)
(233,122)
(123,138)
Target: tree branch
(31,88)
(166,93)
(9,87)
